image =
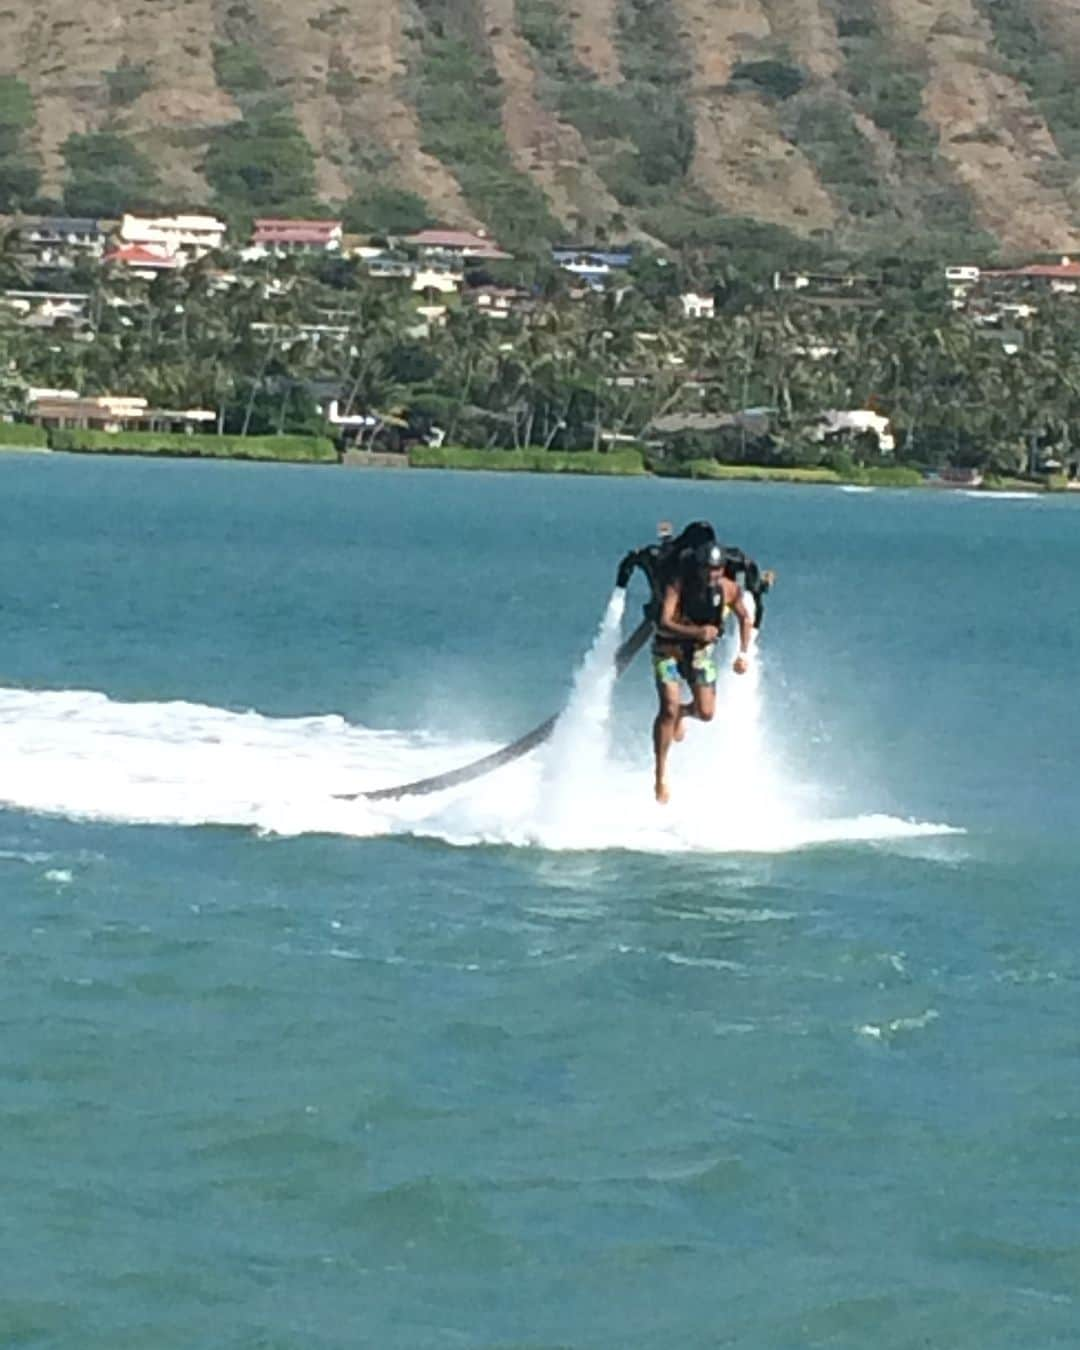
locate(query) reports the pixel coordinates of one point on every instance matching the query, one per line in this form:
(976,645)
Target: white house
(182,237)
(834,421)
(446,278)
(697,306)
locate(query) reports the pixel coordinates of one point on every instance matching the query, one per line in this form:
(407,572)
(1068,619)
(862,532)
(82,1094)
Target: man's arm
(746,631)
(670,622)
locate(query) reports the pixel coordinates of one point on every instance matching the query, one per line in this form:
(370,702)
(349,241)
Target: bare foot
(680,727)
(663,794)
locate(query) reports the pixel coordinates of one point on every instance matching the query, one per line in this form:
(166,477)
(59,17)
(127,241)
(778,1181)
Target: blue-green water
(792,1063)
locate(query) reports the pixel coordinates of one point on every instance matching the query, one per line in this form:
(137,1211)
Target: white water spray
(575,759)
(80,754)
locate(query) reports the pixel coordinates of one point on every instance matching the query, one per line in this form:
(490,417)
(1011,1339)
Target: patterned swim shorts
(696,668)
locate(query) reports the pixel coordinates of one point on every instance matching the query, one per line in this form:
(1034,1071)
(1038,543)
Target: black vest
(697,604)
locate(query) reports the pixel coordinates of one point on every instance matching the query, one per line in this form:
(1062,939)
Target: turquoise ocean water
(794,1062)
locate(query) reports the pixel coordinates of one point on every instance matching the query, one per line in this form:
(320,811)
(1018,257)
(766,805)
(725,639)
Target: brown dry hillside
(851,123)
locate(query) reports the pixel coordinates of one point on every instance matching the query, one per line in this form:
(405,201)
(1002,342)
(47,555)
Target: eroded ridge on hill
(345,69)
(65,53)
(988,131)
(742,159)
(548,149)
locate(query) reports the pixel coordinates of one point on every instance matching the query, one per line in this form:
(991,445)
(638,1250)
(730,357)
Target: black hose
(479,767)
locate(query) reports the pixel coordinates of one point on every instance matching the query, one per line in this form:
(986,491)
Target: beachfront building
(273,236)
(184,238)
(62,241)
(65,408)
(839,423)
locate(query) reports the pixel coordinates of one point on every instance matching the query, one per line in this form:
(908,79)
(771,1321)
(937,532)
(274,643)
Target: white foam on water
(80,754)
(1001,496)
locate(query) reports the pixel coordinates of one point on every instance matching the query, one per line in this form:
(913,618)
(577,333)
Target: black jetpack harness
(686,555)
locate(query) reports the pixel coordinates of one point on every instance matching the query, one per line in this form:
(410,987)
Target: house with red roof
(144,260)
(273,235)
(1061,277)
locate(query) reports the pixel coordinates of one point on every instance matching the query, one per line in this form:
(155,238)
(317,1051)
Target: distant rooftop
(463,241)
(1066,269)
(271,231)
(182,222)
(64,224)
(608,252)
(283,223)
(141,255)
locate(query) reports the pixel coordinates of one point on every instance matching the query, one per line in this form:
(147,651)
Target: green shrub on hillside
(543,27)
(262,163)
(381,208)
(757,246)
(824,129)
(107,175)
(650,45)
(886,85)
(460,105)
(640,133)
(127,83)
(239,70)
(1036,60)
(20,174)
(778,79)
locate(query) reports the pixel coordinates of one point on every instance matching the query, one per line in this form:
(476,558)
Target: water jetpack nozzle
(626,571)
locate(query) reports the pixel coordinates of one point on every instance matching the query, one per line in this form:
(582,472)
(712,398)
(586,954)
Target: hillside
(860,125)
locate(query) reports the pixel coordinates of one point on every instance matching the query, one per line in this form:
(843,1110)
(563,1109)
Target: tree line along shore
(303,360)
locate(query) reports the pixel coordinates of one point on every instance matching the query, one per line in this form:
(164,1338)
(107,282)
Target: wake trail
(83,755)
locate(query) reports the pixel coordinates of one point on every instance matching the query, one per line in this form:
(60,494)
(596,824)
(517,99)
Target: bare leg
(702,708)
(668,717)
(704,705)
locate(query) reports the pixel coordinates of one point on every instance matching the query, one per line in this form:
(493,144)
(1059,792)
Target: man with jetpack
(694,587)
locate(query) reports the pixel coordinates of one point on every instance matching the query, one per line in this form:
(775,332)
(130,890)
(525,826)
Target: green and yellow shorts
(694,664)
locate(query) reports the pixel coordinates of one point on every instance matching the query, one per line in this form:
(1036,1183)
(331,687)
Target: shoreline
(596,466)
